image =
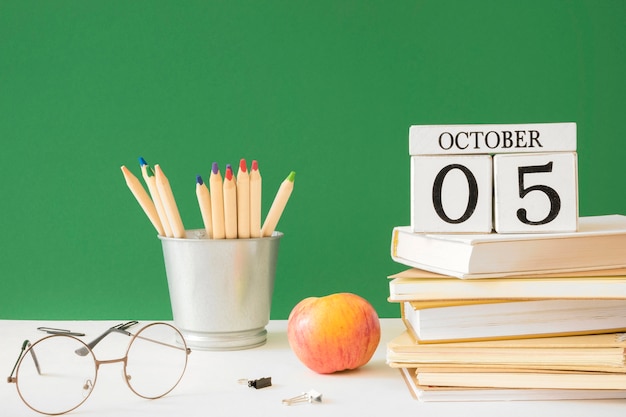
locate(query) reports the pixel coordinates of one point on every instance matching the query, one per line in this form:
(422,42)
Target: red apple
(333,333)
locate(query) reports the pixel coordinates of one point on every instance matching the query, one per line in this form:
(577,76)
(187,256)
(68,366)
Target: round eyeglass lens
(157,358)
(52,378)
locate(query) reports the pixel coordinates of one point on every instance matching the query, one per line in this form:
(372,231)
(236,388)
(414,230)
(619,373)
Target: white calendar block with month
(492,138)
(451,193)
(535,192)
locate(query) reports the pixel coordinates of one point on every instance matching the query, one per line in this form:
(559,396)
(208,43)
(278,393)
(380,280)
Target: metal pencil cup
(221,289)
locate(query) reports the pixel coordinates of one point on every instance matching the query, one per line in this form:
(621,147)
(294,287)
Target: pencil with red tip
(143,199)
(256,187)
(217,202)
(278,205)
(230,204)
(169,203)
(204,201)
(243,201)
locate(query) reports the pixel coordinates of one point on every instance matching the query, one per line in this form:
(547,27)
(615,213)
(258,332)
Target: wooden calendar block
(451,193)
(492,138)
(535,192)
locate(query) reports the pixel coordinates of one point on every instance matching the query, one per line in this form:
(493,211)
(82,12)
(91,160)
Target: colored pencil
(150,180)
(204,201)
(143,199)
(217,202)
(169,203)
(278,205)
(256,187)
(243,201)
(230,204)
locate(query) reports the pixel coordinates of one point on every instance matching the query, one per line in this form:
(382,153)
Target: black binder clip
(257,383)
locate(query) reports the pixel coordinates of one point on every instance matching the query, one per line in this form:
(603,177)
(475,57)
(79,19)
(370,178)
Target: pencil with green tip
(278,205)
(143,199)
(169,203)
(150,180)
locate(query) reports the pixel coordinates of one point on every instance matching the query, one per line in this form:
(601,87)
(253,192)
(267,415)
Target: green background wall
(327,88)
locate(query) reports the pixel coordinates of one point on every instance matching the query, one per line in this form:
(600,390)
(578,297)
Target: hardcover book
(418,285)
(428,393)
(599,243)
(589,353)
(513,319)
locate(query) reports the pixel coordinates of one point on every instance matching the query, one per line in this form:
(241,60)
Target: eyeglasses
(64,369)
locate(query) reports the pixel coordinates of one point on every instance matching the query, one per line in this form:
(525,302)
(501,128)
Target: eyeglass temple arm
(120,328)
(158,342)
(26,344)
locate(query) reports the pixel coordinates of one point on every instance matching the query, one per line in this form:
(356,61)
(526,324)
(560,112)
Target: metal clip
(311,396)
(257,383)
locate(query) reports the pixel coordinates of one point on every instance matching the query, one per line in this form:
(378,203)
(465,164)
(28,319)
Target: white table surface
(210,387)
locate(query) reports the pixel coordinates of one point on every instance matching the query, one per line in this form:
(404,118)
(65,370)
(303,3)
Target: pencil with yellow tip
(150,180)
(217,202)
(243,201)
(169,203)
(256,187)
(204,201)
(143,199)
(230,204)
(278,205)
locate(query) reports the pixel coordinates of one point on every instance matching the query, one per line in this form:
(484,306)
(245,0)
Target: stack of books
(512,316)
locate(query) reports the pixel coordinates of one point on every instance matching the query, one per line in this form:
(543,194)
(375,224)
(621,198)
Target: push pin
(257,383)
(311,396)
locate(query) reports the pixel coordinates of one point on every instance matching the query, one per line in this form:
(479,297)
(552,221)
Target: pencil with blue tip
(256,188)
(278,205)
(243,201)
(143,199)
(204,201)
(169,203)
(217,202)
(148,176)
(230,204)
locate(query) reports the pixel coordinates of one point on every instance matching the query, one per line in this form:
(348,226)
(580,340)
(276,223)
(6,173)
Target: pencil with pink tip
(243,201)
(256,187)
(217,201)
(230,204)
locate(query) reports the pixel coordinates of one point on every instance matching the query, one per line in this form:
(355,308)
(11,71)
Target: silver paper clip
(311,396)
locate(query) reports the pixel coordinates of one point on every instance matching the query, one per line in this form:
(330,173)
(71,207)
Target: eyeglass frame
(88,348)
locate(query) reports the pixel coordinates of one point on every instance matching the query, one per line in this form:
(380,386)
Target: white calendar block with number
(451,193)
(535,192)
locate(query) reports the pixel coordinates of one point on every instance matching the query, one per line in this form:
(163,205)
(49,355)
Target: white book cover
(515,319)
(418,285)
(599,243)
